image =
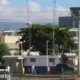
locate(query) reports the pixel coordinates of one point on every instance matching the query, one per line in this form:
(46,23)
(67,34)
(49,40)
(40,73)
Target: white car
(5,73)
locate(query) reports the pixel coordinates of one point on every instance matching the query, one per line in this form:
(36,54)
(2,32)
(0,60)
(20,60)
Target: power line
(35,11)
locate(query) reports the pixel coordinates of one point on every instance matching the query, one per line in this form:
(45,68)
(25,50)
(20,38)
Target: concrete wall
(41,61)
(11,43)
(11,39)
(15,66)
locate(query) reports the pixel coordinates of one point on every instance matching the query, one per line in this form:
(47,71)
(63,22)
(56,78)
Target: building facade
(74,31)
(10,38)
(70,21)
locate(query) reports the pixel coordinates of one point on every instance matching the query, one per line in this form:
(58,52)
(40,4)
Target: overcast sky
(38,10)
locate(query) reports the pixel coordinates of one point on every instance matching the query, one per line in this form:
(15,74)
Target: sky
(64,3)
(36,11)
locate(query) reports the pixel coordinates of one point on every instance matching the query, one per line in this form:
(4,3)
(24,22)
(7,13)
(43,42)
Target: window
(32,60)
(77,34)
(74,33)
(51,59)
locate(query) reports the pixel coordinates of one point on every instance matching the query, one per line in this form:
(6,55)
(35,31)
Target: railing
(62,76)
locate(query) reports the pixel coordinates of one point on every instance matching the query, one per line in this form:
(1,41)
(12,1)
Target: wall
(15,65)
(41,61)
(11,43)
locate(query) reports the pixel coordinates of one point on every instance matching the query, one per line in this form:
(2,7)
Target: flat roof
(73,29)
(12,56)
(70,54)
(42,56)
(74,7)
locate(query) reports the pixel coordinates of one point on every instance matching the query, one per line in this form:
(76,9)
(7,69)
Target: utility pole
(54,12)
(47,51)
(29,24)
(27,12)
(79,45)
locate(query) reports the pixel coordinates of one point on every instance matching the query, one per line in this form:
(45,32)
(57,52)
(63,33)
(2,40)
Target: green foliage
(41,33)
(64,37)
(3,50)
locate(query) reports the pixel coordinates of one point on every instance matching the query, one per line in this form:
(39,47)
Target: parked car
(5,73)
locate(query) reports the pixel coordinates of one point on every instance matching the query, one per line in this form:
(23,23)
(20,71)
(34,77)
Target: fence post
(62,74)
(4,72)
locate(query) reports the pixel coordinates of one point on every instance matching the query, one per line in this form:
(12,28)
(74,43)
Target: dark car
(60,68)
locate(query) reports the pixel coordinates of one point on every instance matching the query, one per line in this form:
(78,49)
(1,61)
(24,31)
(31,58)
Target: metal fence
(62,76)
(42,77)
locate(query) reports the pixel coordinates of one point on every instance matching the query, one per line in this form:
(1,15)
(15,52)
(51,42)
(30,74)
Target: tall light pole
(27,12)
(54,12)
(29,27)
(21,48)
(47,51)
(79,45)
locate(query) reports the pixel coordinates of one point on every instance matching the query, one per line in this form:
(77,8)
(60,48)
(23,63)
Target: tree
(41,33)
(3,50)
(64,38)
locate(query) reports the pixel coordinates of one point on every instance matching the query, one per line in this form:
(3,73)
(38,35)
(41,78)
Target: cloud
(33,6)
(4,2)
(35,13)
(60,8)
(63,11)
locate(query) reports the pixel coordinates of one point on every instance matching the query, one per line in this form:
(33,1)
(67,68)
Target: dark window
(77,34)
(51,59)
(32,60)
(74,33)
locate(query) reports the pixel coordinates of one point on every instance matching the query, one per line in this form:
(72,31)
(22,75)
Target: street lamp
(21,43)
(21,48)
(47,51)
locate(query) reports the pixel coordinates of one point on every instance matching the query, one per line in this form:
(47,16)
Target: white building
(75,33)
